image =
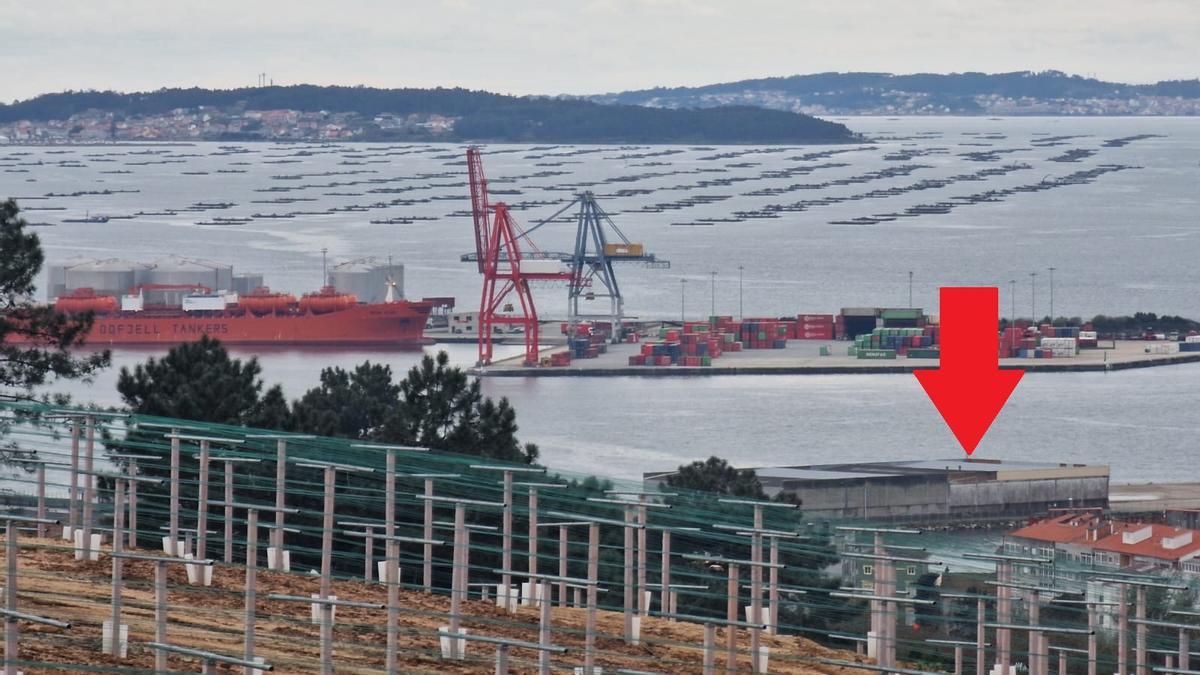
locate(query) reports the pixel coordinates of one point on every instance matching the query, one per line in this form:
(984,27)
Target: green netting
(700,526)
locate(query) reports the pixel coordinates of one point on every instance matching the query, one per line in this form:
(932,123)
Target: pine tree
(200,381)
(35,340)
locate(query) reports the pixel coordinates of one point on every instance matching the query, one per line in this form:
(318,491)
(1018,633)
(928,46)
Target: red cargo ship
(326,318)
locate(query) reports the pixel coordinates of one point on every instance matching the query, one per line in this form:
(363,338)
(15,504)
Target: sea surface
(1119,224)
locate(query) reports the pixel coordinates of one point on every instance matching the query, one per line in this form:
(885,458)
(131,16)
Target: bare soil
(52,584)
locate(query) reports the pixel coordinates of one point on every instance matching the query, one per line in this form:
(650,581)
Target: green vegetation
(436,406)
(34,340)
(1108,326)
(956,91)
(481,116)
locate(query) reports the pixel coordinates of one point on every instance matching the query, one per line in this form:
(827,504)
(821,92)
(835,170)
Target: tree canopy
(437,406)
(479,115)
(35,340)
(200,381)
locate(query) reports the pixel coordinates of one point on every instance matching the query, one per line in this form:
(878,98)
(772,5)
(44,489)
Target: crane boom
(479,204)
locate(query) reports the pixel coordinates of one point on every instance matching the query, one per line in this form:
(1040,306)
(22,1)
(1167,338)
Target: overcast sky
(563,46)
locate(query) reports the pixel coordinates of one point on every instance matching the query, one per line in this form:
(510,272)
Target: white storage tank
(178,270)
(367,278)
(107,277)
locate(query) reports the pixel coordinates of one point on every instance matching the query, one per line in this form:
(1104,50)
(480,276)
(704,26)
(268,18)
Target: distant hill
(361,113)
(1048,92)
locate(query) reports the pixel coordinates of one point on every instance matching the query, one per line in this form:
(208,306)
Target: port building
(933,491)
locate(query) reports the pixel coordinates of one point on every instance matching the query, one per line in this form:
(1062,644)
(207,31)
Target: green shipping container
(924,353)
(824,350)
(876,353)
(706,360)
(852,351)
(907,314)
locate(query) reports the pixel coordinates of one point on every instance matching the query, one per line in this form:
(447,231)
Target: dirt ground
(52,584)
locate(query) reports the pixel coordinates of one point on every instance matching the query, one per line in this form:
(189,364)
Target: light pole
(682,286)
(1012,322)
(712,310)
(910,277)
(740,313)
(1052,295)
(1033,298)
(324,268)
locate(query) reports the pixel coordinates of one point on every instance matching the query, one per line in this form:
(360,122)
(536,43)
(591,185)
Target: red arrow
(969,389)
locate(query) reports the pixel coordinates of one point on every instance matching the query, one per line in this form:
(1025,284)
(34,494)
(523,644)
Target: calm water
(1127,241)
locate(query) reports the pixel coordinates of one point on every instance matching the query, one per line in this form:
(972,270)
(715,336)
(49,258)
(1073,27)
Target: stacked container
(1060,346)
(897,340)
(765,333)
(590,339)
(814,327)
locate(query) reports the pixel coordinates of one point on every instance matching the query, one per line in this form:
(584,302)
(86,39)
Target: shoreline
(836,366)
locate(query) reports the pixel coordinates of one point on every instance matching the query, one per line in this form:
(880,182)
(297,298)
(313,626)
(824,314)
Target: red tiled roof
(1071,528)
(1151,546)
(1076,528)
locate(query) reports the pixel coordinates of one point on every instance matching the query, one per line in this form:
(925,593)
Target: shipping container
(876,354)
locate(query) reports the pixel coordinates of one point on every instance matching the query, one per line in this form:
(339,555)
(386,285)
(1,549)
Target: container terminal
(854,341)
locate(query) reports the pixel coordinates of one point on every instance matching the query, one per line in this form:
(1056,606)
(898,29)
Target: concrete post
(756,587)
(1003,615)
(11,657)
(593,575)
(773,585)
(459,575)
(664,598)
(980,637)
(562,565)
(710,649)
(506,553)
(1184,655)
(627,586)
(89,484)
(642,607)
(1092,646)
(280,501)
(533,547)
(251,584)
(160,615)
(327,573)
(173,528)
(133,505)
(731,615)
(73,494)
(544,628)
(41,499)
(393,606)
(228,512)
(202,505)
(117,561)
(1140,654)
(427,563)
(1123,631)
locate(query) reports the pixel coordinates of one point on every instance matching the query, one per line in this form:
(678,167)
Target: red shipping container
(662,360)
(637,360)
(815,318)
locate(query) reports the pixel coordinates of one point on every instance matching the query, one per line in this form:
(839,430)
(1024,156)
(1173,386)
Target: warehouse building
(933,491)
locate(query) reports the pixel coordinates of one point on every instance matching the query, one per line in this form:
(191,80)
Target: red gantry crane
(505,268)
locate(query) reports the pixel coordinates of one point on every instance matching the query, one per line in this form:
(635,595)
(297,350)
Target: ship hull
(380,325)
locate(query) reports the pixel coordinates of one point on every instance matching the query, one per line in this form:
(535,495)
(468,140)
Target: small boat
(89,218)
